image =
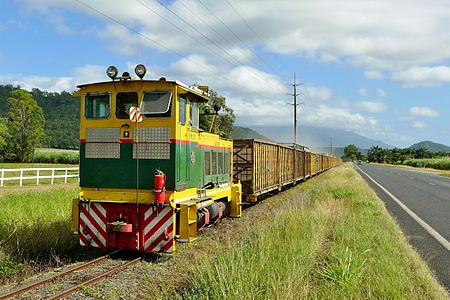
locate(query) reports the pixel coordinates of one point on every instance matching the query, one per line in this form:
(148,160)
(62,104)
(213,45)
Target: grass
(435,163)
(335,240)
(35,230)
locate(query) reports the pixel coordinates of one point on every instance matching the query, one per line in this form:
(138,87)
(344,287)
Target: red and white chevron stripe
(158,229)
(93,225)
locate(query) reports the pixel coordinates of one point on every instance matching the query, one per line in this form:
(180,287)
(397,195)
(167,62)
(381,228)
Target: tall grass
(35,228)
(435,163)
(338,244)
(54,156)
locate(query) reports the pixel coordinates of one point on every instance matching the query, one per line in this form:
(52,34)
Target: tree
(351,153)
(375,154)
(3,136)
(422,153)
(225,118)
(25,126)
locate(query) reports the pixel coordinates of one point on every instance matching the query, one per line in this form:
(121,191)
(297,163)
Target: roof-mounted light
(140,71)
(111,72)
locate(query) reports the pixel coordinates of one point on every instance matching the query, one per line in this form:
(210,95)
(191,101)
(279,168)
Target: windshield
(156,103)
(123,103)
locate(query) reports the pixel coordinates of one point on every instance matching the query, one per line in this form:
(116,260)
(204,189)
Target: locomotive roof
(192,89)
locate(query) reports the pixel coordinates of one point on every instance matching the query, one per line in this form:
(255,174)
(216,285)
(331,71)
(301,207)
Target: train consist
(150,177)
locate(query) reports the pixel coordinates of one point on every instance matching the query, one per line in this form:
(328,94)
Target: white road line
(431,183)
(421,222)
(411,177)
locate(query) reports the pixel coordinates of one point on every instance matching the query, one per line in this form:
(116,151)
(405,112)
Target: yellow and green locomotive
(146,184)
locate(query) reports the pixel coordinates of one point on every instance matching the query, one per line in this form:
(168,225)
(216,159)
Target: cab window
(193,114)
(97,106)
(182,110)
(156,103)
(123,103)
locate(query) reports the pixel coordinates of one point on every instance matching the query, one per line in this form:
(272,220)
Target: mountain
(435,147)
(242,133)
(318,137)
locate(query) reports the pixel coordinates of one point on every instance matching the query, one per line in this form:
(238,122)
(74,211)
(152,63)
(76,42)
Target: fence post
(65,178)
(37,177)
(21,176)
(53,175)
(1,179)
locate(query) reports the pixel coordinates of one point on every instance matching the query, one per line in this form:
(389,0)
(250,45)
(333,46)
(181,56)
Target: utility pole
(331,147)
(295,94)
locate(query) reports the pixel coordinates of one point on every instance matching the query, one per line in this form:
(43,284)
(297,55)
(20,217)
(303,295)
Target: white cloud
(317,93)
(419,124)
(373,107)
(423,76)
(381,35)
(373,75)
(56,84)
(334,117)
(85,74)
(363,92)
(423,112)
(381,93)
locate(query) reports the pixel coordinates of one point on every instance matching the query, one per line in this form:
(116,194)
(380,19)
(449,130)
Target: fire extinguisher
(160,187)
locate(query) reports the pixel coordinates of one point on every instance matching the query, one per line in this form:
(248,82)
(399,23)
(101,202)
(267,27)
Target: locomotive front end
(145,165)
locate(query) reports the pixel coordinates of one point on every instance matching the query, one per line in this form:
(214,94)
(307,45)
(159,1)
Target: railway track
(68,291)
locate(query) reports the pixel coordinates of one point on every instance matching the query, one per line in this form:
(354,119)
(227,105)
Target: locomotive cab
(146,184)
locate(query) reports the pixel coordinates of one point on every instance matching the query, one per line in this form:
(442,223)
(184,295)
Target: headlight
(111,72)
(140,70)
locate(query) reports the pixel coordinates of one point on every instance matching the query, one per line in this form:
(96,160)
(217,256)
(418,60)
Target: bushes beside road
(435,163)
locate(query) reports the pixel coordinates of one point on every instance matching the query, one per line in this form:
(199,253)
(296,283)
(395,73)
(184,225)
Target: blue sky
(377,68)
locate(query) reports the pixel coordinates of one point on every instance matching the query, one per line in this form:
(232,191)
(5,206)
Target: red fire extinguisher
(160,187)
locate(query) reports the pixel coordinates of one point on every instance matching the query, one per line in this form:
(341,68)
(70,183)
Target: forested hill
(247,133)
(61,112)
(435,147)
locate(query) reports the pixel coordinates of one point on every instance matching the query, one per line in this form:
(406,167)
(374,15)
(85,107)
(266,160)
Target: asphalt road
(425,195)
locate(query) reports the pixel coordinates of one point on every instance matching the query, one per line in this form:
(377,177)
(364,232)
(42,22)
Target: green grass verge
(333,241)
(35,229)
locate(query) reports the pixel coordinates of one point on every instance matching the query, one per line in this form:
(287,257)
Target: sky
(377,68)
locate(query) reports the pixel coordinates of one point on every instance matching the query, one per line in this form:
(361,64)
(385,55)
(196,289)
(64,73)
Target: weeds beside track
(335,242)
(35,229)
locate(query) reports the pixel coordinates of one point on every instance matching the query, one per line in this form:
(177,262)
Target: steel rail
(45,280)
(95,279)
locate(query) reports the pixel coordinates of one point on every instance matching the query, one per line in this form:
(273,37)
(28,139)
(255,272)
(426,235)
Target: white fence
(35,175)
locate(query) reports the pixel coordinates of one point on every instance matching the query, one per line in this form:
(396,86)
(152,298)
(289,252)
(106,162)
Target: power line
(254,32)
(152,40)
(211,71)
(199,32)
(182,30)
(211,41)
(204,22)
(232,32)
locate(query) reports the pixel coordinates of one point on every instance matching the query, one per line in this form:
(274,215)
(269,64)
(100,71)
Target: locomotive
(150,177)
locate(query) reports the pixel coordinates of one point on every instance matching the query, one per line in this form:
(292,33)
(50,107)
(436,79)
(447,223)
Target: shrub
(56,157)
